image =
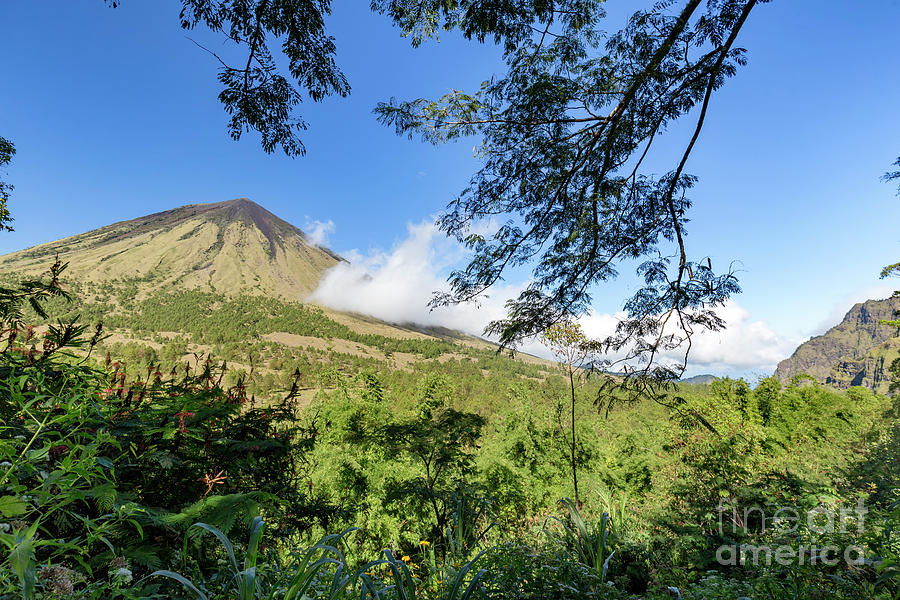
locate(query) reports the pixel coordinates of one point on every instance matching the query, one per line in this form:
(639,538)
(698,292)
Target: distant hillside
(857,351)
(700,379)
(228,247)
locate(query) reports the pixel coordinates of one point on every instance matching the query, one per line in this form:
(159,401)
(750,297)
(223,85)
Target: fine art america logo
(789,521)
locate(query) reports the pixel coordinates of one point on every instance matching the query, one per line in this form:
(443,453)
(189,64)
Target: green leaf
(226,543)
(21,559)
(180,579)
(11,506)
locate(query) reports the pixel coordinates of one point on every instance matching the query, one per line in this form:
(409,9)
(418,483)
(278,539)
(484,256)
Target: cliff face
(856,351)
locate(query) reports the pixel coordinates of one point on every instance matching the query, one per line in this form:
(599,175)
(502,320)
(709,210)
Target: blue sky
(114,115)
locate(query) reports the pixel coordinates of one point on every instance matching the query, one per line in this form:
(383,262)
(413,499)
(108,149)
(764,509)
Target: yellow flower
(424,543)
(405,559)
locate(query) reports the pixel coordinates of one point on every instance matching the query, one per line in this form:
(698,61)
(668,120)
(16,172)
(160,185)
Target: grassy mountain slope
(228,247)
(856,351)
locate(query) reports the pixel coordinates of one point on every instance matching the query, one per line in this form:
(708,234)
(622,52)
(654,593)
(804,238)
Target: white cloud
(317,232)
(744,345)
(396,286)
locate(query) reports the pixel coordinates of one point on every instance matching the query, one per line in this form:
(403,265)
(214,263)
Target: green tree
(894,371)
(571,348)
(892,271)
(440,441)
(766,393)
(732,393)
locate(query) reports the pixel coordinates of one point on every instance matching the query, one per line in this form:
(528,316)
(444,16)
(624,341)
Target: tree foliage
(564,137)
(256,94)
(7,151)
(893,175)
(894,372)
(568,343)
(506,23)
(440,442)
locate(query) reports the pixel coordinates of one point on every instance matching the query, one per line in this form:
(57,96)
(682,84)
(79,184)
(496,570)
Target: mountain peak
(235,246)
(237,201)
(234,206)
(233,211)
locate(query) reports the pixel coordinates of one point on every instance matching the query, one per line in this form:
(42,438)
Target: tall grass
(322,572)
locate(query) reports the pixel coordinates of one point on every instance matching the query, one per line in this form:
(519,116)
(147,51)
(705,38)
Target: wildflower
(424,543)
(5,463)
(125,574)
(405,558)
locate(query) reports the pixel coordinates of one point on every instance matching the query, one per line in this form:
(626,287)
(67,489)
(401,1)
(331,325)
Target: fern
(104,496)
(143,555)
(222,512)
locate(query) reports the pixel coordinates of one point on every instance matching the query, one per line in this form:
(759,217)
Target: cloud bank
(746,345)
(396,286)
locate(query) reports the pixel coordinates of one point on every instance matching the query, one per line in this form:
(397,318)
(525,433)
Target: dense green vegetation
(213,319)
(445,477)
(170,327)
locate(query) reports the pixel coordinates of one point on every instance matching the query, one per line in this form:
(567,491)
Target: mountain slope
(856,351)
(228,247)
(229,280)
